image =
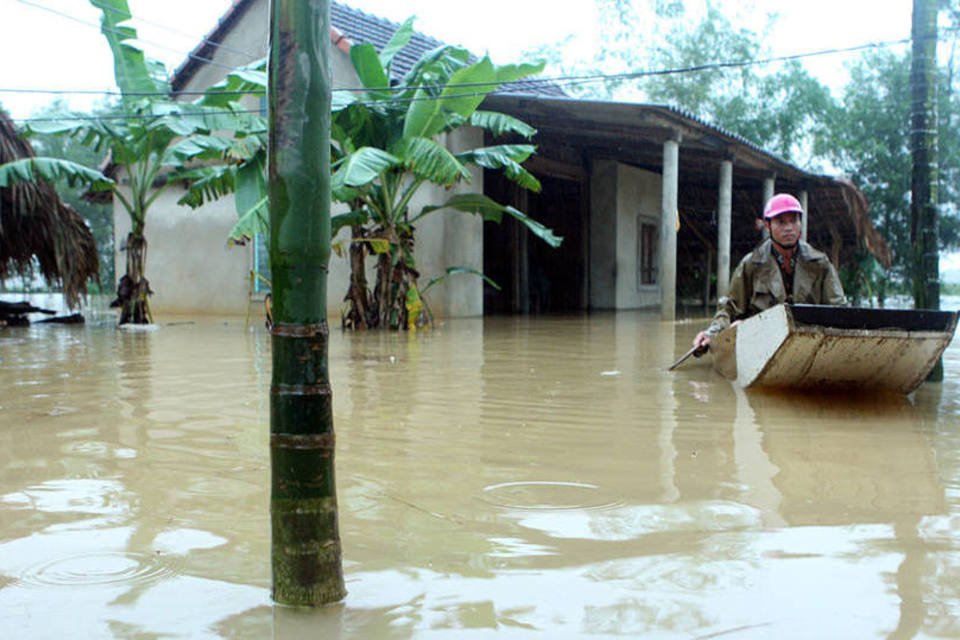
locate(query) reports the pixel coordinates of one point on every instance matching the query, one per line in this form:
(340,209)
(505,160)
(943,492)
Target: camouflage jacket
(757,284)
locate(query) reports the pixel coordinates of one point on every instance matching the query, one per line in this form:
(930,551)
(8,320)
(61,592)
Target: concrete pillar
(768,185)
(806,215)
(668,230)
(724,221)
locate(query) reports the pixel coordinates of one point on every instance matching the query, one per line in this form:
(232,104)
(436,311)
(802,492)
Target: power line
(568,80)
(190,55)
(138,116)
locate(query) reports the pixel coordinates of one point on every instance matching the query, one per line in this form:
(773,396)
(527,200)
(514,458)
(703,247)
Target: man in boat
(782,268)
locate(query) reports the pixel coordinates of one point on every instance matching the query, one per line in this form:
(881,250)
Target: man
(782,268)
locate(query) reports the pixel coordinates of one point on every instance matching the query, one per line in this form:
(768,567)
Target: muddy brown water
(505,477)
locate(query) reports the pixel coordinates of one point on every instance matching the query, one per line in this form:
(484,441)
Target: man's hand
(702,341)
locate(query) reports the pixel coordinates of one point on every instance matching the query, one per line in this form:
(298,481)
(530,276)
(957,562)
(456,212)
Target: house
(654,204)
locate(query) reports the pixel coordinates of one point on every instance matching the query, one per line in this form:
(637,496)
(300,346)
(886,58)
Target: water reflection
(503,476)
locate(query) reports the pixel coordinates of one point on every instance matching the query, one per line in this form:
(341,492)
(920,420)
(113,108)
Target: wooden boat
(833,348)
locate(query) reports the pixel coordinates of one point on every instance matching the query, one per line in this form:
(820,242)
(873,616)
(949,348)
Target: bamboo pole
(306,555)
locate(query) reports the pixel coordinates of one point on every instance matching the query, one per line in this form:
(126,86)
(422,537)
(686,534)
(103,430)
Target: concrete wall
(189,265)
(192,269)
(621,197)
(638,200)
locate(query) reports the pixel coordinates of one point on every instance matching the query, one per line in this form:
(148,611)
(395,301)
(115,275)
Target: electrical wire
(190,55)
(568,80)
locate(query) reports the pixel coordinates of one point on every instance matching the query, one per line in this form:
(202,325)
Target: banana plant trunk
(133,293)
(306,554)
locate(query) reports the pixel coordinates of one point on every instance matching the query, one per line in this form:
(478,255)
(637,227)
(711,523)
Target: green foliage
(864,280)
(868,138)
(98,217)
(54,170)
(385,147)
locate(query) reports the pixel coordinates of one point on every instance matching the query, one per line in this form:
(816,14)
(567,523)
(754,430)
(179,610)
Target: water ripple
(548,496)
(97,568)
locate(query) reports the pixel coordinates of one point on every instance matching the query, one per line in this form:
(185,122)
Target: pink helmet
(781,203)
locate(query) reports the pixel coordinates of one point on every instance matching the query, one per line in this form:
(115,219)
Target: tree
(781,109)
(98,216)
(868,138)
(306,555)
(156,143)
(384,147)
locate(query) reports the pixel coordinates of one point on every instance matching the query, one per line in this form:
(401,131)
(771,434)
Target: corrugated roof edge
(671,110)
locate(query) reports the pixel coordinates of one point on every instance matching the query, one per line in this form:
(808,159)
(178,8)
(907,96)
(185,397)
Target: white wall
(189,265)
(621,196)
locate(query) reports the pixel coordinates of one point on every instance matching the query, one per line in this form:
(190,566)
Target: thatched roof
(35,222)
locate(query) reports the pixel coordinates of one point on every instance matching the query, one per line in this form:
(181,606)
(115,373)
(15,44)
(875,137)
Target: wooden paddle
(696,352)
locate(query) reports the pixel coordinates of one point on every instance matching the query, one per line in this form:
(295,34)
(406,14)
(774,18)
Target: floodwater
(505,478)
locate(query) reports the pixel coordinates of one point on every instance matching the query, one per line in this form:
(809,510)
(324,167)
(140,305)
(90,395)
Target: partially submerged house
(40,232)
(654,205)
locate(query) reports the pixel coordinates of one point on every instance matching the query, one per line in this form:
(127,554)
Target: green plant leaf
(252,185)
(349,219)
(451,271)
(250,80)
(514,72)
(361,168)
(201,147)
(207,183)
(507,157)
(399,39)
(370,70)
(427,114)
(492,211)
(251,222)
(53,169)
(132,73)
(501,123)
(430,161)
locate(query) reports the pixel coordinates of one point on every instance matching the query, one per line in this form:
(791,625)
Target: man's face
(785,228)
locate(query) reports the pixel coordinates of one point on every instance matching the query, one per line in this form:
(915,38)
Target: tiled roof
(355,26)
(358,26)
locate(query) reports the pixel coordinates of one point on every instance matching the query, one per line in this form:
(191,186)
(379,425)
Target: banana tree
(385,147)
(157,143)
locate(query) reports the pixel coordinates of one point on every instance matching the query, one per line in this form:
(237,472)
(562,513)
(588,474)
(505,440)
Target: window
(261,265)
(647,242)
(261,252)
